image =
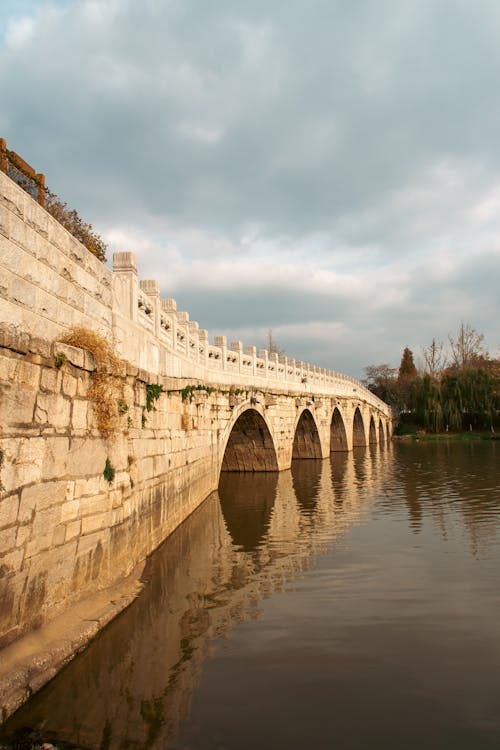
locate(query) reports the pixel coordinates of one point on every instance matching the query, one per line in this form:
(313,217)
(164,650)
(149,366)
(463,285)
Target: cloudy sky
(322,168)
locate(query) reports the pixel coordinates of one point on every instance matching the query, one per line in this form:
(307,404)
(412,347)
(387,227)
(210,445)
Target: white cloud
(19,32)
(327,166)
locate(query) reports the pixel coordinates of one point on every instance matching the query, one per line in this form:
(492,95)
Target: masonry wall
(66,531)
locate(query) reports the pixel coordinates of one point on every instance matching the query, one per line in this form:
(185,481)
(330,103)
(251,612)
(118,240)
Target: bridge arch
(358,430)
(338,433)
(306,441)
(249,445)
(372,435)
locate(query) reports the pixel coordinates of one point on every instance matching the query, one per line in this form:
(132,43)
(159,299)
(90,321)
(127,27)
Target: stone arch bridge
(80,510)
(268,435)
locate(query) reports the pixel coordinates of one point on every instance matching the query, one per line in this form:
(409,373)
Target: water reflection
(306,477)
(247,501)
(134,686)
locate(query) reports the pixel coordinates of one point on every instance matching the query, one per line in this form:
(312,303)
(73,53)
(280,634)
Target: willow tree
(425,399)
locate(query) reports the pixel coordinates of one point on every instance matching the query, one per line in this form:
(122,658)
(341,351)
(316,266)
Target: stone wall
(64,529)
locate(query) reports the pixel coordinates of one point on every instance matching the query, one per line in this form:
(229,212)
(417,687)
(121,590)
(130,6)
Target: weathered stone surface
(9,507)
(39,497)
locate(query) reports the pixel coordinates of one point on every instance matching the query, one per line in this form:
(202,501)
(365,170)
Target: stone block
(73,530)
(50,380)
(82,386)
(17,405)
(44,524)
(38,497)
(22,462)
(12,561)
(23,534)
(7,540)
(85,457)
(84,487)
(96,522)
(70,490)
(54,409)
(9,508)
(94,504)
(7,367)
(59,535)
(69,385)
(88,543)
(79,414)
(4,221)
(55,458)
(70,510)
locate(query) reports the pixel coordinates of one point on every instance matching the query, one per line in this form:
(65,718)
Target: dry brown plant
(106,387)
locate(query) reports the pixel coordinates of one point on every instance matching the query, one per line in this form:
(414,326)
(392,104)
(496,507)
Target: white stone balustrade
(51,282)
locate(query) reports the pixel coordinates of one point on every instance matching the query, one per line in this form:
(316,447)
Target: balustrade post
(237,346)
(264,354)
(125,284)
(169,306)
(152,289)
(194,338)
(221,342)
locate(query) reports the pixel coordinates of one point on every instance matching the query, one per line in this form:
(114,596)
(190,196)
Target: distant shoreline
(446,436)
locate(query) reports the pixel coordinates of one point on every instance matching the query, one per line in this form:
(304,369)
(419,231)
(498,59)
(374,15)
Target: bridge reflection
(134,684)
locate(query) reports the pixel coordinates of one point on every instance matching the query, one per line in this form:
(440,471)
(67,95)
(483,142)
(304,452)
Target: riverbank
(421,435)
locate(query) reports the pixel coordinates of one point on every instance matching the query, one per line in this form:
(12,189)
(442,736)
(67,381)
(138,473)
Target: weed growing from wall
(188,392)
(153,393)
(109,472)
(59,359)
(105,387)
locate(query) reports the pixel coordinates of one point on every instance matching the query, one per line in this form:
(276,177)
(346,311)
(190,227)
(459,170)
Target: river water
(347,603)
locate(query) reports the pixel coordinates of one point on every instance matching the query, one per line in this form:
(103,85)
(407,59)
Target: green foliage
(143,419)
(457,401)
(407,369)
(381,380)
(153,392)
(59,359)
(425,400)
(188,391)
(71,220)
(109,472)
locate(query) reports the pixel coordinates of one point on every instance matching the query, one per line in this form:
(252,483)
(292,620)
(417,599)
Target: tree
(467,348)
(434,358)
(272,345)
(426,402)
(381,380)
(406,375)
(407,370)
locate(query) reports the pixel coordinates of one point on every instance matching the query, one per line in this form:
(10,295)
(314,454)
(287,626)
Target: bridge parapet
(51,282)
(173,345)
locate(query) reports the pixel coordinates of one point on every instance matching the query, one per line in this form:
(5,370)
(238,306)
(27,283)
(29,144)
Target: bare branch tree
(434,357)
(467,347)
(272,345)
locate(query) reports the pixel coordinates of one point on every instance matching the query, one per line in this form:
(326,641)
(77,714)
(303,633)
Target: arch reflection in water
(306,476)
(247,502)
